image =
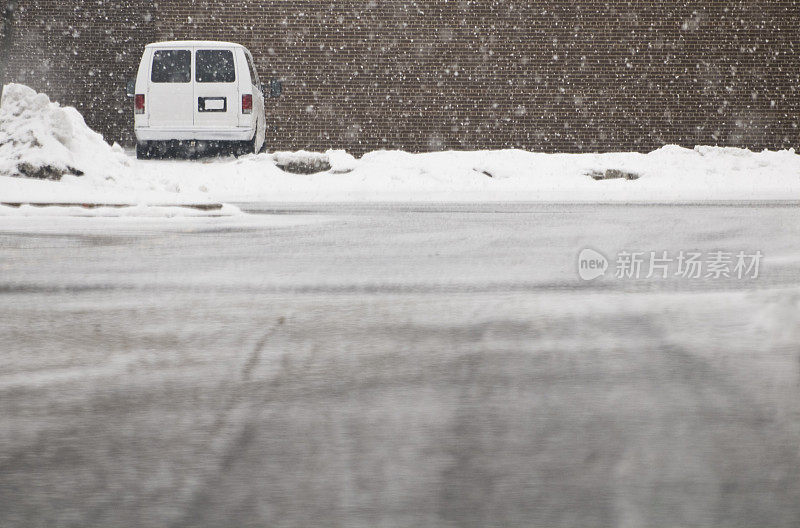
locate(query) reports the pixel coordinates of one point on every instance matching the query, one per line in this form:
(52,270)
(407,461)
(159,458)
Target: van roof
(189,43)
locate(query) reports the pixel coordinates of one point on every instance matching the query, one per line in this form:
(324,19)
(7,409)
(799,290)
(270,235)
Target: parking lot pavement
(401,365)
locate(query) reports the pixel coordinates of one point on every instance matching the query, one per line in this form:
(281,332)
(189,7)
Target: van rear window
(171,66)
(215,66)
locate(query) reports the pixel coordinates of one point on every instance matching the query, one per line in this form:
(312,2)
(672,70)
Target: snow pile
(341,162)
(49,155)
(41,139)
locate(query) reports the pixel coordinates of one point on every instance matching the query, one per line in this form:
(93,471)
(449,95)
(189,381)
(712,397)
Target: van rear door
(216,90)
(170,93)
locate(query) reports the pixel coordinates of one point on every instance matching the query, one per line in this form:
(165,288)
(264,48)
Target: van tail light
(139,104)
(247,104)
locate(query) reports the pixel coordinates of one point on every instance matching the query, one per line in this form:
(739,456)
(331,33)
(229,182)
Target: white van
(198,92)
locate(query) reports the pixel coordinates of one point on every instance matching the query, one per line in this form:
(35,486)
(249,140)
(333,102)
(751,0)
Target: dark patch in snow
(46,172)
(304,165)
(613,174)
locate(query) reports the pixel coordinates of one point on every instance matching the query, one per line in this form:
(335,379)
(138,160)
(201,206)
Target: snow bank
(38,136)
(41,139)
(668,174)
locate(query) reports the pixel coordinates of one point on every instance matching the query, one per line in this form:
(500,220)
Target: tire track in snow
(232,432)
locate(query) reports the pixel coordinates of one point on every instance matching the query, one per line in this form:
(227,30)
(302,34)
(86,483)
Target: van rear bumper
(200,134)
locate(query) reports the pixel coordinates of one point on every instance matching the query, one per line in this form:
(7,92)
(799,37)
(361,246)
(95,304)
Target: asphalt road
(400,366)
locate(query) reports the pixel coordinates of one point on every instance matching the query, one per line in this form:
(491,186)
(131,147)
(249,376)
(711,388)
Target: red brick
(364,75)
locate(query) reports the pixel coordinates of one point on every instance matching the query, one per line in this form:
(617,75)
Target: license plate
(215,104)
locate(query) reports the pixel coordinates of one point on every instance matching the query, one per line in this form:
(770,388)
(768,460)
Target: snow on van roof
(187,43)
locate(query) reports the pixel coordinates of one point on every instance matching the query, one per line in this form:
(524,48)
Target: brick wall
(554,75)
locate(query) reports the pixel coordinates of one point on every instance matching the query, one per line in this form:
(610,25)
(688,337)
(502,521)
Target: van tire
(246,147)
(144,150)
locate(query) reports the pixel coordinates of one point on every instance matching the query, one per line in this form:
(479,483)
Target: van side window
(215,66)
(171,66)
(253,73)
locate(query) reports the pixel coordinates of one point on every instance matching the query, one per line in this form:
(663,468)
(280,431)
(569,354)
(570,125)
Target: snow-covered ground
(43,139)
(668,174)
